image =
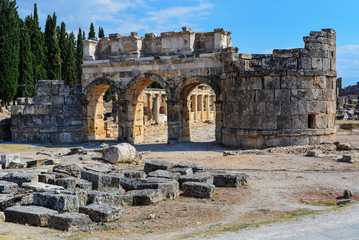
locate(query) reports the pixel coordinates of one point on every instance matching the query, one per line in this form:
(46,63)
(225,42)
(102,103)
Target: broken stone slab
(102,212)
(146,196)
(69,169)
(15,165)
(31,215)
(198,189)
(71,222)
(102,181)
(133,173)
(195,166)
(60,201)
(196,177)
(123,153)
(156,164)
(168,187)
(229,179)
(129,184)
(20,177)
(7,200)
(9,158)
(100,168)
(99,197)
(8,187)
(313,153)
(343,146)
(47,178)
(348,158)
(76,150)
(182,171)
(164,174)
(71,183)
(39,186)
(41,162)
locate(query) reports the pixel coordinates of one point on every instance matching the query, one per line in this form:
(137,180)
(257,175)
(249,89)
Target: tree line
(27,54)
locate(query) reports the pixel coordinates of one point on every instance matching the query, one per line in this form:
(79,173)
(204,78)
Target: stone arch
(92,105)
(131,113)
(186,86)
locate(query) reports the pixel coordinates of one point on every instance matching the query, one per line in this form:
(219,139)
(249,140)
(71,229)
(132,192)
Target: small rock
(347,194)
(343,146)
(313,153)
(76,150)
(348,158)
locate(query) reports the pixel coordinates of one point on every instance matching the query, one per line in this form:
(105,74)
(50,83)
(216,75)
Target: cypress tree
(9,50)
(37,45)
(92,33)
(53,60)
(63,45)
(83,35)
(70,61)
(26,64)
(79,56)
(101,32)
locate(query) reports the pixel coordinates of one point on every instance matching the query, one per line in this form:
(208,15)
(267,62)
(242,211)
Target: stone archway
(93,109)
(131,107)
(198,108)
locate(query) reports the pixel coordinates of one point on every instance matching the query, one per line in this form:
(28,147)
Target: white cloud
(348,63)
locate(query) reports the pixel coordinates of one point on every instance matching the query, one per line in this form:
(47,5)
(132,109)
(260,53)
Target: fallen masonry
(71,197)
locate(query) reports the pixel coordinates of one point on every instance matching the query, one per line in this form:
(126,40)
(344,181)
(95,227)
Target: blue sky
(258,26)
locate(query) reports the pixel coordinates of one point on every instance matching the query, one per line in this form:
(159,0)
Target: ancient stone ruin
(259,100)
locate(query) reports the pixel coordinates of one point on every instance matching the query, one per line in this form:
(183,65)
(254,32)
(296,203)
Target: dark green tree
(108,95)
(9,50)
(70,61)
(101,32)
(83,35)
(92,33)
(53,59)
(63,45)
(37,45)
(26,74)
(79,56)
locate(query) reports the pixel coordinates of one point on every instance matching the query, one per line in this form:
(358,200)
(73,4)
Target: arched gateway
(260,100)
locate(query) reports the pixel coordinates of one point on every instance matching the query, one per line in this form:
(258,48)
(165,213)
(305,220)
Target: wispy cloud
(348,62)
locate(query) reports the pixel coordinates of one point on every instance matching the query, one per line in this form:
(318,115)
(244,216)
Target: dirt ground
(280,187)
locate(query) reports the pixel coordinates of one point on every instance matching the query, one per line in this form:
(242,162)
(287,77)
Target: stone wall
(53,116)
(285,98)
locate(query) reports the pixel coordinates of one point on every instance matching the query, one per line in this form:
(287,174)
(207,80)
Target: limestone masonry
(261,100)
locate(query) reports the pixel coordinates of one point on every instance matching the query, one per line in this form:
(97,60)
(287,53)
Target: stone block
(40,162)
(47,178)
(8,200)
(8,187)
(69,169)
(229,179)
(123,152)
(130,183)
(39,186)
(167,186)
(71,222)
(271,82)
(264,95)
(198,189)
(100,168)
(99,197)
(71,183)
(195,166)
(288,82)
(254,83)
(102,212)
(164,174)
(31,215)
(2,217)
(9,158)
(133,174)
(197,177)
(146,196)
(59,201)
(98,180)
(15,165)
(182,171)
(155,164)
(20,177)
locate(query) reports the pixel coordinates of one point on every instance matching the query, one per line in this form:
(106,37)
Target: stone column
(206,102)
(194,106)
(200,107)
(149,106)
(156,108)
(174,121)
(219,121)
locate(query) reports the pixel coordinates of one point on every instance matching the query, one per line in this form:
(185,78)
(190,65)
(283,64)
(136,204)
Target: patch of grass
(15,147)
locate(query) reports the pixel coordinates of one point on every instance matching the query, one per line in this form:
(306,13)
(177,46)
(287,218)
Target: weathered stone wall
(53,116)
(285,98)
(262,100)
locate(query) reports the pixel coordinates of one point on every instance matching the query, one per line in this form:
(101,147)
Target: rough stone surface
(71,183)
(69,169)
(164,174)
(39,186)
(197,177)
(9,158)
(20,177)
(229,179)
(168,187)
(8,187)
(133,174)
(2,217)
(71,222)
(146,196)
(123,152)
(195,166)
(182,171)
(7,200)
(102,212)
(31,215)
(130,183)
(155,164)
(102,181)
(99,197)
(198,189)
(61,201)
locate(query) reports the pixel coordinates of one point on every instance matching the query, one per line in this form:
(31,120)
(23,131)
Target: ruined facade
(261,100)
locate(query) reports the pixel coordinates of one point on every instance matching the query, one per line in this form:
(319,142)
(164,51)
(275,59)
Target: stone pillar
(219,121)
(200,107)
(206,102)
(149,106)
(174,121)
(194,106)
(156,108)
